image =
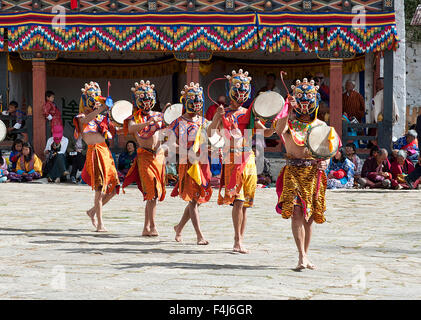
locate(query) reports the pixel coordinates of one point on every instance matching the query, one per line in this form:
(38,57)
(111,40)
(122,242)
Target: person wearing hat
(55,152)
(409,143)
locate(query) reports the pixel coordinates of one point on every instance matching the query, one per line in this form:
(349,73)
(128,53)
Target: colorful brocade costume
(239,174)
(148,169)
(300,182)
(99,170)
(188,188)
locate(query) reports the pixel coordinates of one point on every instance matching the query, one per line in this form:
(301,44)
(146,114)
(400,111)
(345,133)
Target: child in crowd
(3,168)
(28,167)
(15,154)
(340,173)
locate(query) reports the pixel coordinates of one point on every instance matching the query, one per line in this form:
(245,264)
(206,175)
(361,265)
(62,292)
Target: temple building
(59,45)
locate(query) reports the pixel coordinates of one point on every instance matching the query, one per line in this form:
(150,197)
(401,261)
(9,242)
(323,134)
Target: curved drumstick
(209,88)
(282,79)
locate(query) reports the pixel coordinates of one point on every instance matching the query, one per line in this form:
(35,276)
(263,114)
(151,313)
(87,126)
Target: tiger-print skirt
(304,186)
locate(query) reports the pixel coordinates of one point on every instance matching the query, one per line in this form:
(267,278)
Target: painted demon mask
(240,87)
(307,98)
(89,92)
(192,98)
(144,96)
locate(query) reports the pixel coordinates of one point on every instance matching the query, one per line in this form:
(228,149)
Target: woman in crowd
(400,168)
(340,172)
(351,154)
(3,168)
(15,154)
(125,160)
(28,167)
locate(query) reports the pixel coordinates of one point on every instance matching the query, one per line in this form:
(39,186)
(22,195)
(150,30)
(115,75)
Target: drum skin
(120,111)
(268,104)
(172,112)
(3,131)
(317,142)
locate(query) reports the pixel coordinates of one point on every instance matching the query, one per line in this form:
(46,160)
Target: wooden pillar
(335,95)
(385,129)
(4,85)
(192,71)
(39,86)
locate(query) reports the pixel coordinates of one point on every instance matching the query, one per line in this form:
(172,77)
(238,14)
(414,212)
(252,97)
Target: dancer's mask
(240,87)
(144,96)
(87,100)
(307,98)
(192,97)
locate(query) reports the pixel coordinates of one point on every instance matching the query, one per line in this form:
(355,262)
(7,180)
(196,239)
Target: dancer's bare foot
(301,263)
(101,228)
(177,235)
(309,264)
(153,233)
(202,242)
(91,214)
(146,233)
(238,247)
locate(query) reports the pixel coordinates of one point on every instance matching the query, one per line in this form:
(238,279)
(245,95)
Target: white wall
(413,76)
(399,71)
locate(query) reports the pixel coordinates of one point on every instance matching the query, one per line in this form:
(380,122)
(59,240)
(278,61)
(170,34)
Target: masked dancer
(239,174)
(148,169)
(194,174)
(300,188)
(99,170)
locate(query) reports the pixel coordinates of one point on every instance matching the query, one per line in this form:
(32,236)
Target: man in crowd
(270,84)
(376,170)
(353,102)
(323,88)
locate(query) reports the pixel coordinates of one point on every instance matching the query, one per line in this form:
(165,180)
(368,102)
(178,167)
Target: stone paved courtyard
(369,248)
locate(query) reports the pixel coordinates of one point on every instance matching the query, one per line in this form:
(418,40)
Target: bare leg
(98,210)
(308,232)
(149,228)
(179,227)
(244,222)
(298,230)
(239,227)
(194,216)
(105,198)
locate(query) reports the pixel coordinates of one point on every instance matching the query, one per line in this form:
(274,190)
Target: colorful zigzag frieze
(214,32)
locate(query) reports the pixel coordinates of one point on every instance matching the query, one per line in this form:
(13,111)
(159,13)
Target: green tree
(413,33)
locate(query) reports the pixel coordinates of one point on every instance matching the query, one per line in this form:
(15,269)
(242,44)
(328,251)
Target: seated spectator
(172,175)
(400,168)
(125,160)
(376,170)
(351,154)
(212,109)
(3,168)
(15,154)
(29,166)
(270,84)
(76,151)
(414,178)
(55,152)
(409,143)
(340,172)
(393,155)
(13,111)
